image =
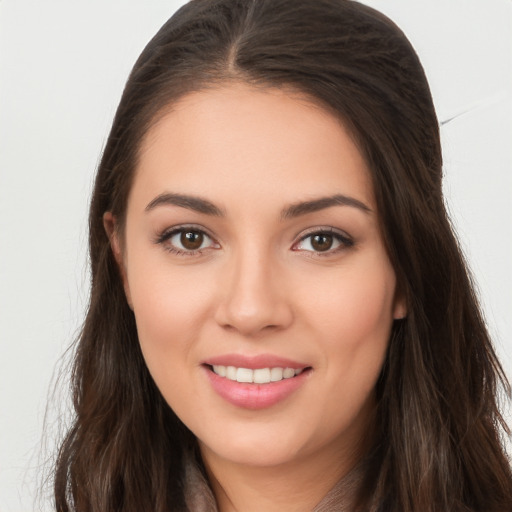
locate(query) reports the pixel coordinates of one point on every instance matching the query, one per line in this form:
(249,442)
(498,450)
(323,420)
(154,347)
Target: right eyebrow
(194,203)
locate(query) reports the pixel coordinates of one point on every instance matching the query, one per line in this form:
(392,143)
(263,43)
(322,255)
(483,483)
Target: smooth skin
(258,275)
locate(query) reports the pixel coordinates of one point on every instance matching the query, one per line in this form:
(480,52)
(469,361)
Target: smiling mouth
(257,375)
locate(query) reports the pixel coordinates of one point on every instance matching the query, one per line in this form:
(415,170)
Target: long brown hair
(439,445)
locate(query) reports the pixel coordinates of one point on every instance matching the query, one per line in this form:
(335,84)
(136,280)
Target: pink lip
(253,362)
(254,396)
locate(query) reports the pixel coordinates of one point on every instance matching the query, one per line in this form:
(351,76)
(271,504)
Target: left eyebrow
(315,205)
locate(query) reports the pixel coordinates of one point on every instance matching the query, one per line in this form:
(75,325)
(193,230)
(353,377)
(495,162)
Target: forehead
(248,141)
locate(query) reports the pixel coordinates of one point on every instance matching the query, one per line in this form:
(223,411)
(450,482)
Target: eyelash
(167,235)
(344,241)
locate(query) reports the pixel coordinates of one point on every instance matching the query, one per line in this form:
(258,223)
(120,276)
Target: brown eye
(321,242)
(191,240)
(187,241)
(328,241)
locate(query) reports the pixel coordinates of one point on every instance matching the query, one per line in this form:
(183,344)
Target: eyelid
(164,236)
(346,241)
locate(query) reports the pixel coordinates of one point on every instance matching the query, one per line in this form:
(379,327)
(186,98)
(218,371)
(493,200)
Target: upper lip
(255,361)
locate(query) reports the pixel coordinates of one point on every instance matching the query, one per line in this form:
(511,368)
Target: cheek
(356,308)
(170,310)
(352,322)
(171,306)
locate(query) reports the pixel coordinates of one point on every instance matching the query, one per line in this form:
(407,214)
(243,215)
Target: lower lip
(255,396)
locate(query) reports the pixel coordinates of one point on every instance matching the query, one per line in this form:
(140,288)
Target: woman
(280,316)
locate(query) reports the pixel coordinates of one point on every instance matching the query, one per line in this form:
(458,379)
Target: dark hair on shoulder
(440,433)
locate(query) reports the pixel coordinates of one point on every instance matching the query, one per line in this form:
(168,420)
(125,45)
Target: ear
(110,225)
(399,306)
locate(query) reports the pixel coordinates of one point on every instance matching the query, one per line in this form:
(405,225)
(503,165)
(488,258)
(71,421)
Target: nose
(254,298)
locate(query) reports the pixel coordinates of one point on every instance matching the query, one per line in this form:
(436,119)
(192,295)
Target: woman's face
(252,252)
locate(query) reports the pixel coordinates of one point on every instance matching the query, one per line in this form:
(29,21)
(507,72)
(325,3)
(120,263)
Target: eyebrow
(305,207)
(206,207)
(195,203)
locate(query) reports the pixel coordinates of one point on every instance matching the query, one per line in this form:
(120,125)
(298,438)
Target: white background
(62,68)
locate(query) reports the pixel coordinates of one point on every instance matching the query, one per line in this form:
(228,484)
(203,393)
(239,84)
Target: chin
(258,459)
(258,450)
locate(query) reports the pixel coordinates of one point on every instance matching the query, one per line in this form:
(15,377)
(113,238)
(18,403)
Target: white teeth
(231,373)
(219,370)
(276,374)
(244,375)
(257,376)
(288,372)
(261,376)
